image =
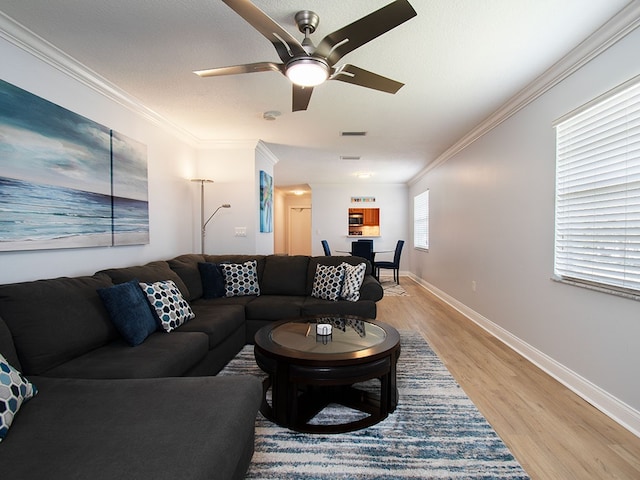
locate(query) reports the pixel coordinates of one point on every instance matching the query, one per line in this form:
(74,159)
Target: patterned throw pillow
(14,391)
(354,275)
(241,278)
(170,306)
(327,282)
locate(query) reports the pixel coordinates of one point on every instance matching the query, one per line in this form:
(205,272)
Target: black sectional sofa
(106,409)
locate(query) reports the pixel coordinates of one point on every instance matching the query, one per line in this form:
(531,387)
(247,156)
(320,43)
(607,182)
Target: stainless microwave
(356,219)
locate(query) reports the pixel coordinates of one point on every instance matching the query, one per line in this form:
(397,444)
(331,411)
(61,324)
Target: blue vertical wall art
(266,202)
(67,181)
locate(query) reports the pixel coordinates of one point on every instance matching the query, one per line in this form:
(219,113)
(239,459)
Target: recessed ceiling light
(364,175)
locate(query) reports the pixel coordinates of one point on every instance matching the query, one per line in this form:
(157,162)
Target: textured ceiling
(460,60)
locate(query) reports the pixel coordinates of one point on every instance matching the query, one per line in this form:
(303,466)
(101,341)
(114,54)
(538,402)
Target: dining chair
(362,249)
(325,247)
(395,265)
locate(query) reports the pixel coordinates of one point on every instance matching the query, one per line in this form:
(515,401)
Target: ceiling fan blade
(237,69)
(285,44)
(364,78)
(301,97)
(337,44)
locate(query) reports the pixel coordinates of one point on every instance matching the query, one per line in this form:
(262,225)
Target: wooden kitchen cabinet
(371,217)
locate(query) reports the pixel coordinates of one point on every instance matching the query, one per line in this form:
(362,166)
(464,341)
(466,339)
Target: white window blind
(421,220)
(597,240)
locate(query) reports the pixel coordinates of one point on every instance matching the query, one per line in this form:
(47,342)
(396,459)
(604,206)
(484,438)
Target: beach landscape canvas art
(129,191)
(65,180)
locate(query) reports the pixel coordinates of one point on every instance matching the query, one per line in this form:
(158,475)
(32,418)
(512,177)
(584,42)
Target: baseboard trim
(613,407)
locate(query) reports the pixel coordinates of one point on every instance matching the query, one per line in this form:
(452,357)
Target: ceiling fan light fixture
(307,71)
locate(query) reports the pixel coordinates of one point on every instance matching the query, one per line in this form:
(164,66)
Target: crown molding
(264,150)
(619,26)
(26,40)
(226,144)
(257,146)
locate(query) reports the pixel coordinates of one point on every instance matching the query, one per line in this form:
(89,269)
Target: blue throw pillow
(129,311)
(212,280)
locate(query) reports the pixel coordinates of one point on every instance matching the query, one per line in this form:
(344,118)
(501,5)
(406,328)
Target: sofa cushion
(240,279)
(327,283)
(371,289)
(219,322)
(170,428)
(274,307)
(353,277)
(7,348)
(212,279)
(55,320)
(186,266)
(285,275)
(239,258)
(171,309)
(14,391)
(129,311)
(149,273)
(160,355)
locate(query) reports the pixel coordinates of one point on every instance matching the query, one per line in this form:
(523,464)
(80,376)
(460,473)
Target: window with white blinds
(597,231)
(421,220)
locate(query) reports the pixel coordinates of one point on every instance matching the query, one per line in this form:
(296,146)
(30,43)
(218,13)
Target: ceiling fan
(307,66)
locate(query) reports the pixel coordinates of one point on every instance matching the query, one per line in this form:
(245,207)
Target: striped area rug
(436,432)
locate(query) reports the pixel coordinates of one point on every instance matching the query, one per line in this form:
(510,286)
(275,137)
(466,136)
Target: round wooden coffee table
(308,371)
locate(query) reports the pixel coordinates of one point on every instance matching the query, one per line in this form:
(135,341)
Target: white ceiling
(460,60)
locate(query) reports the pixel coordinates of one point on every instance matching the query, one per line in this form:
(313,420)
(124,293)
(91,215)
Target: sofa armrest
(371,289)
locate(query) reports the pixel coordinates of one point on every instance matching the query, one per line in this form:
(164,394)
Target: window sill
(596,287)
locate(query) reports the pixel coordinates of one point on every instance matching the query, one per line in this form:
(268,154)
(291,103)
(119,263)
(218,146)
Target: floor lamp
(203,223)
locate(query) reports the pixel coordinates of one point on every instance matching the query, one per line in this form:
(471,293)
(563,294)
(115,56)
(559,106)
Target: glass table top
(347,335)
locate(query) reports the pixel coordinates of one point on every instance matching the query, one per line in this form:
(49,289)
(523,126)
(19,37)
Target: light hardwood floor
(552,432)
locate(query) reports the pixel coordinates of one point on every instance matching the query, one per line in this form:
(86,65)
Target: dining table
(373,252)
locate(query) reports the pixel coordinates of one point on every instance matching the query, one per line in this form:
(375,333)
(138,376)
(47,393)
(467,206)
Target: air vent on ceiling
(353,134)
(349,157)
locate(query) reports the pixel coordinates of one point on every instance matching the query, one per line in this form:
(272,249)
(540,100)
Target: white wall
(331,205)
(173,160)
(235,169)
(492,222)
(280,224)
(170,163)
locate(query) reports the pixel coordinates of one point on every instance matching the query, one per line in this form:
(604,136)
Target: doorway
(299,231)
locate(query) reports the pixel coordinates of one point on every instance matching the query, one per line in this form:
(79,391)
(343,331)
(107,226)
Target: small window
(421,220)
(597,231)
